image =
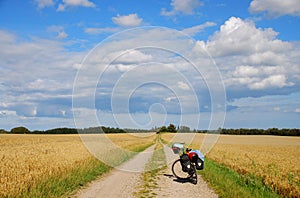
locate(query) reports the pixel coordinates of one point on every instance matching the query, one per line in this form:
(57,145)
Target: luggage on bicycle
(177,147)
(195,158)
(185,163)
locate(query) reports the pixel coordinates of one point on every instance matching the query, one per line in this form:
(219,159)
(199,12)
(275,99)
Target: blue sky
(67,63)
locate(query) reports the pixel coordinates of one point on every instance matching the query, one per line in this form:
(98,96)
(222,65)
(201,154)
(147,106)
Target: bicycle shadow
(178,180)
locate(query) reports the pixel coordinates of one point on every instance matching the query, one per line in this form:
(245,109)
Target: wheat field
(275,159)
(29,159)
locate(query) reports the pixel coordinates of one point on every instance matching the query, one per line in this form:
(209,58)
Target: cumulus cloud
(186,7)
(150,72)
(239,36)
(75,3)
(275,8)
(131,20)
(271,82)
(41,72)
(198,28)
(253,58)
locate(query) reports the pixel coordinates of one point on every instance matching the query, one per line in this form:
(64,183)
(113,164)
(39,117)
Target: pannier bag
(199,164)
(195,156)
(185,163)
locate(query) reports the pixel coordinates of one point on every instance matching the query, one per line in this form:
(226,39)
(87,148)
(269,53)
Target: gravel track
(169,186)
(119,183)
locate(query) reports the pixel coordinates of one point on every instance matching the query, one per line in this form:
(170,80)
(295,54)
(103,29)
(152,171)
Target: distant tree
(3,131)
(19,130)
(163,129)
(184,129)
(171,128)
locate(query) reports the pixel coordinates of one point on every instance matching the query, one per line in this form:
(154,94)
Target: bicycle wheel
(177,171)
(194,177)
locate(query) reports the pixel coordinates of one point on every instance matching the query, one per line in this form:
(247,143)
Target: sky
(140,64)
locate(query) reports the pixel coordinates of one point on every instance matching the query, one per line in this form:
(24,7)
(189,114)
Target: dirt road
(120,183)
(169,186)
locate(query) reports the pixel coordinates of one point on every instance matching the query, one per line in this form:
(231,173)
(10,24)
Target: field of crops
(26,160)
(273,158)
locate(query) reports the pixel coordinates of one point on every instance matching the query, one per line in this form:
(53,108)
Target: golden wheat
(28,159)
(273,158)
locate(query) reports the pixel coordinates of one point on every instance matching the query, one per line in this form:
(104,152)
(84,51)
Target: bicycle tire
(177,171)
(194,177)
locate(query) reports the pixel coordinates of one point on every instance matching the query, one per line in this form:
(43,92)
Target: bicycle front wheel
(177,171)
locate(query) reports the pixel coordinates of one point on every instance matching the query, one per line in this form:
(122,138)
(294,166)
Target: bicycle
(190,160)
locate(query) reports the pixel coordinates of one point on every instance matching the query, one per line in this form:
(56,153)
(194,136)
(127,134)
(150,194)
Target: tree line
(91,130)
(270,131)
(169,129)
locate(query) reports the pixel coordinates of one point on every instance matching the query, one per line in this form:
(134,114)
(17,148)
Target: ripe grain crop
(275,159)
(26,160)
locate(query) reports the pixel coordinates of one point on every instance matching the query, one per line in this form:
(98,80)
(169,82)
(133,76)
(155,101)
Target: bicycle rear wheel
(177,171)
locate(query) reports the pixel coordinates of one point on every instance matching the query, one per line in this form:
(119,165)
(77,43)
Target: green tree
(19,130)
(184,129)
(163,129)
(3,131)
(171,128)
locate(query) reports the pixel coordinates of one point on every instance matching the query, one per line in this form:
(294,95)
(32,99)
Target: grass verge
(228,183)
(65,184)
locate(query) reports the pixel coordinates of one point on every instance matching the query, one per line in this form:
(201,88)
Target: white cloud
(75,3)
(186,7)
(131,20)
(266,58)
(237,36)
(198,28)
(271,82)
(36,74)
(246,71)
(60,8)
(253,58)
(131,57)
(183,85)
(59,30)
(62,35)
(101,30)
(297,110)
(276,8)
(37,60)
(44,3)
(276,108)
(267,104)
(259,78)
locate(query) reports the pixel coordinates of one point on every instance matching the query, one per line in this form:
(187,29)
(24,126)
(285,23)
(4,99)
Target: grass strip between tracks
(156,163)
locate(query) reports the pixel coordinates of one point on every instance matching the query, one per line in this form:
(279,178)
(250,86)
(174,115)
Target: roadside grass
(62,185)
(56,165)
(228,183)
(272,159)
(66,184)
(156,163)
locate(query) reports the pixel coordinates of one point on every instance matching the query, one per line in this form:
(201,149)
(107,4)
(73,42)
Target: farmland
(27,161)
(275,159)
